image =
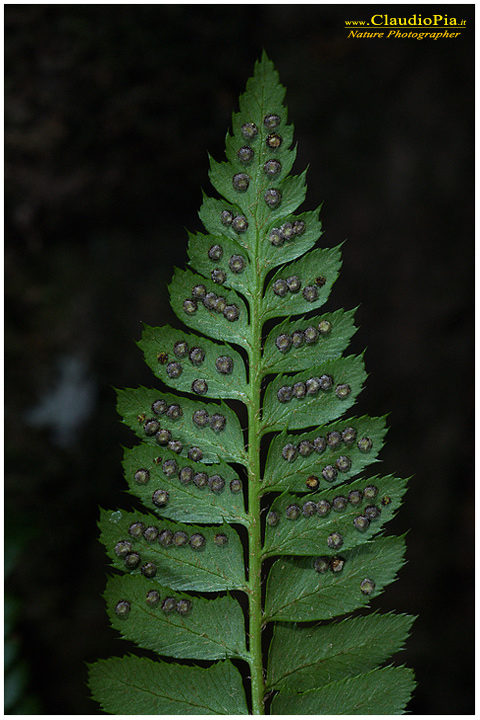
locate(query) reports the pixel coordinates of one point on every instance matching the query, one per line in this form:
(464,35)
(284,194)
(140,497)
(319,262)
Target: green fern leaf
(319,349)
(293,459)
(298,591)
(300,530)
(173,554)
(274,476)
(383,691)
(214,631)
(305,658)
(137,686)
(232,386)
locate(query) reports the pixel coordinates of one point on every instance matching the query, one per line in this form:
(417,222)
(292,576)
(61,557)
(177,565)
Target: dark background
(110,111)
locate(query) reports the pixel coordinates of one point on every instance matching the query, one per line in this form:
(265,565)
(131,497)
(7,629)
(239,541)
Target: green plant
(222,518)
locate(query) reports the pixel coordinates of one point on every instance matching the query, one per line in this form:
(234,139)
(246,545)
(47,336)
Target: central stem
(254,506)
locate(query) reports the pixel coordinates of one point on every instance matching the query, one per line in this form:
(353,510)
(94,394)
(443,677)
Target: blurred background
(109,113)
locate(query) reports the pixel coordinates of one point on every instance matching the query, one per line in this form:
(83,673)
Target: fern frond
(188,570)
